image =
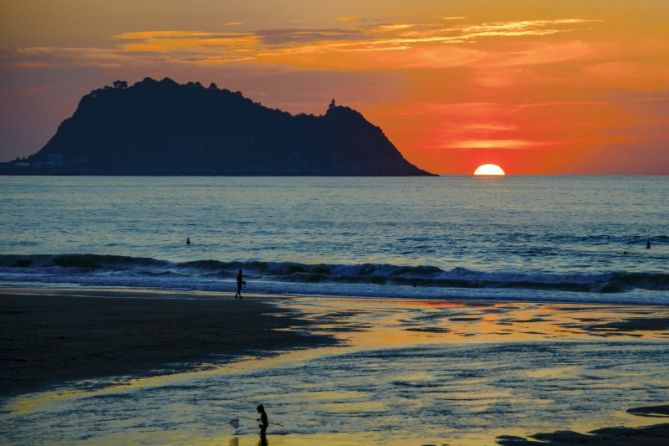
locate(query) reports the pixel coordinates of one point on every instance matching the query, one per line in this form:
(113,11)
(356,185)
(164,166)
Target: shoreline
(87,333)
(282,277)
(482,295)
(52,336)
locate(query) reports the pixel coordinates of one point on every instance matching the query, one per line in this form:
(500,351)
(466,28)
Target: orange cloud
(508,144)
(347,19)
(411,45)
(196,42)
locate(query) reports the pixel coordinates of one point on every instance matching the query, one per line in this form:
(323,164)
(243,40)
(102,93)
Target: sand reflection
(405,371)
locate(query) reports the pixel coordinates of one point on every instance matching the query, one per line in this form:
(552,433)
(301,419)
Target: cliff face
(161,127)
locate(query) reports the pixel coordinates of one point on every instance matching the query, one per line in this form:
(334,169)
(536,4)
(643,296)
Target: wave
(145,271)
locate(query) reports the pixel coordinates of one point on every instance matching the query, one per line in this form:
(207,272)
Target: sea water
(547,238)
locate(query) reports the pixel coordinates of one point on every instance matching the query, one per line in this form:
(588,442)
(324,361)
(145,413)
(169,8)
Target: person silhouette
(188,240)
(648,244)
(240,282)
(264,422)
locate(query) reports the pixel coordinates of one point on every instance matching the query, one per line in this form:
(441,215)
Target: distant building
(54,159)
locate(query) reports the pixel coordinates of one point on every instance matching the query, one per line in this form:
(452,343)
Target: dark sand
(651,411)
(655,435)
(639,323)
(49,339)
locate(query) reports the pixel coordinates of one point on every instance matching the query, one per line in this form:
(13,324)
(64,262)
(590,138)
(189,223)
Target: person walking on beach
(264,421)
(240,283)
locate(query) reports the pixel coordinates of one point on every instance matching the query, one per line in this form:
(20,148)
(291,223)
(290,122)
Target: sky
(536,86)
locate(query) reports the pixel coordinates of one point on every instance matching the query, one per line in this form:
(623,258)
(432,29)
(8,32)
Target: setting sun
(489,169)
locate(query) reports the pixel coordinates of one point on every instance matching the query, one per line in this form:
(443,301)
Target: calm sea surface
(565,238)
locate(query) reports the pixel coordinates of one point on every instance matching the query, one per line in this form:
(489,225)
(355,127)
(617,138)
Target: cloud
(347,19)
(73,57)
(411,45)
(169,34)
(506,144)
(524,27)
(285,36)
(395,27)
(473,32)
(194,42)
(490,126)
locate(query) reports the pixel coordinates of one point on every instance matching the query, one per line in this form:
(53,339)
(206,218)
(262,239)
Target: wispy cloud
(43,56)
(490,127)
(435,32)
(285,36)
(505,144)
(354,43)
(347,19)
(195,42)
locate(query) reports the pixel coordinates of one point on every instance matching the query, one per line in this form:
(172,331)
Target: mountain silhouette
(165,128)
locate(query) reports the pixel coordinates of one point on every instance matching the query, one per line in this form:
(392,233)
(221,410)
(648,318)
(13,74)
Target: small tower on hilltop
(332,105)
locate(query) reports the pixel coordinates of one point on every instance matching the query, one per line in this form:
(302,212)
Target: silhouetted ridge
(162,127)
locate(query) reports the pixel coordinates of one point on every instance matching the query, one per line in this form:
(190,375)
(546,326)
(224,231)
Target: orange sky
(536,86)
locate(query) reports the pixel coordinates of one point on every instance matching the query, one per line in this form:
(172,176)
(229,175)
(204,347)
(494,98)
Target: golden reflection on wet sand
(369,324)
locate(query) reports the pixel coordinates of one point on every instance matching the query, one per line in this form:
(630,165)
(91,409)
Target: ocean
(552,238)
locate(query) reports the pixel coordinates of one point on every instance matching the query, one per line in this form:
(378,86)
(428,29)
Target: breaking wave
(337,279)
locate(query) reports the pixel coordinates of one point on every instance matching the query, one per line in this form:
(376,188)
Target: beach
(50,336)
(109,366)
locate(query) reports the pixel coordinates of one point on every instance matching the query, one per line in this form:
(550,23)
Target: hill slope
(166,128)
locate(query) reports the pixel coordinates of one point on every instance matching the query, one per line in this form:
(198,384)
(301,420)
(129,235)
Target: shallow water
(408,373)
(561,238)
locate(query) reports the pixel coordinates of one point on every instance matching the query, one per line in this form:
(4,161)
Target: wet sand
(57,336)
(52,336)
(655,435)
